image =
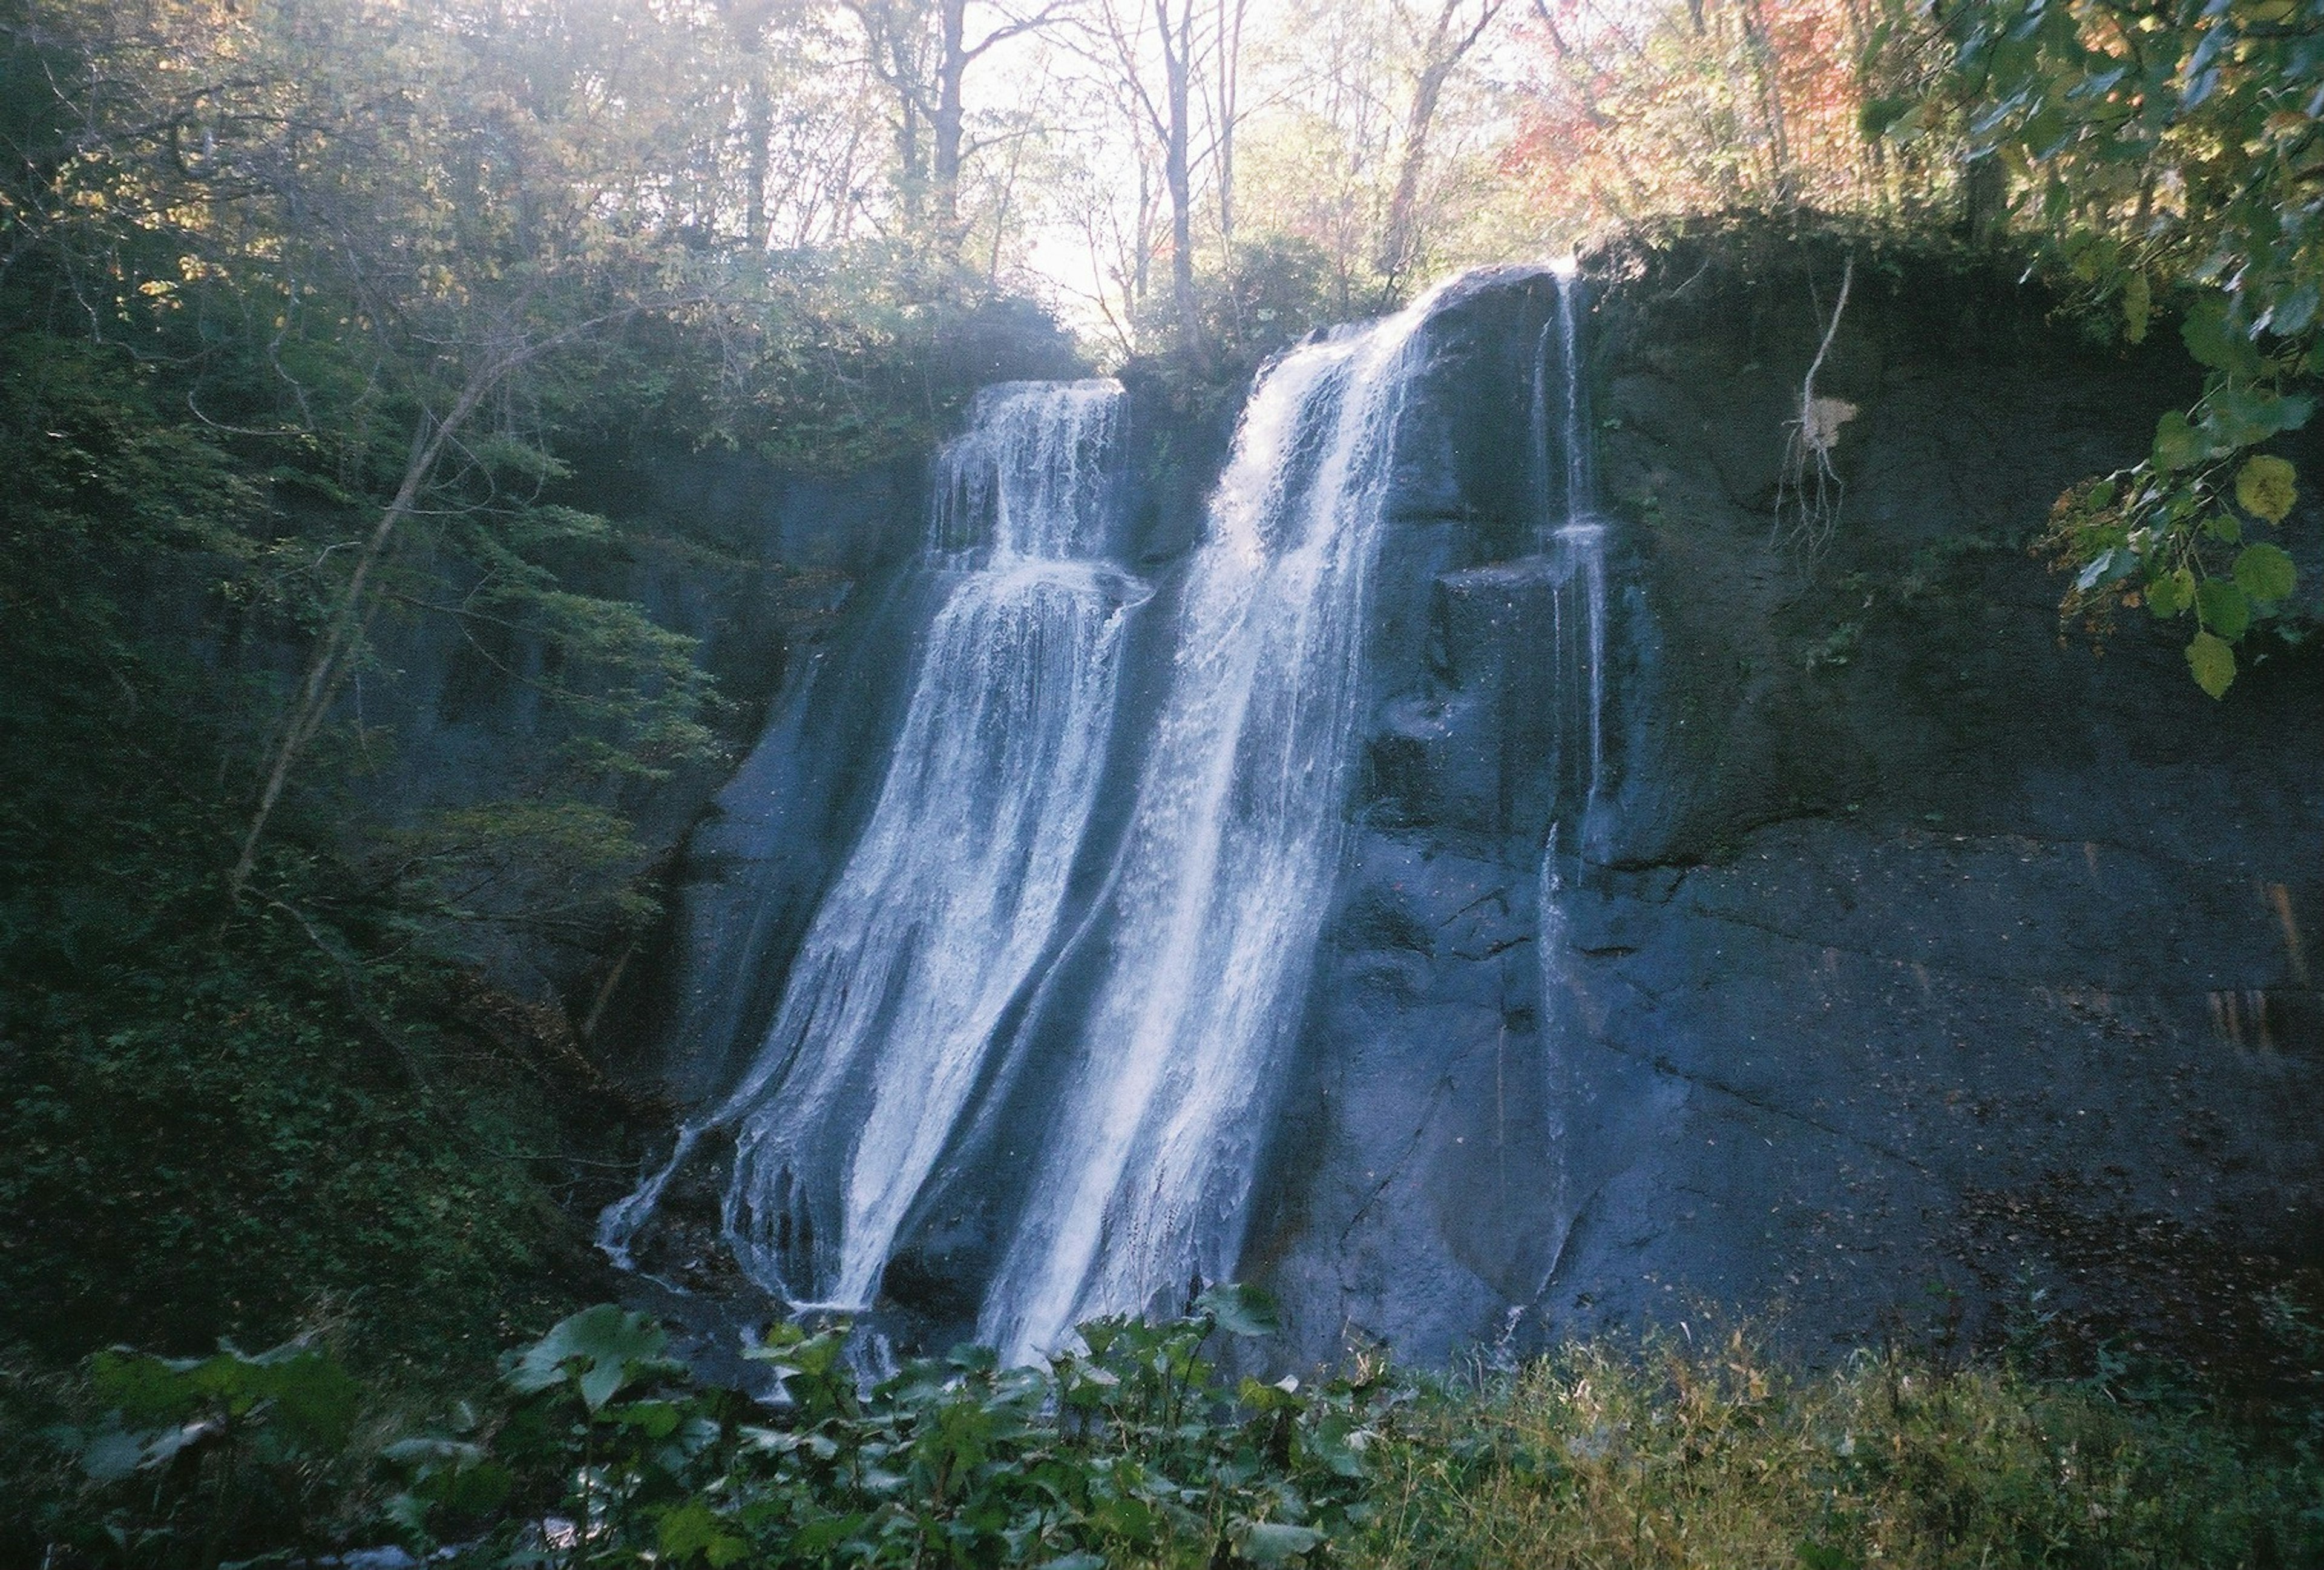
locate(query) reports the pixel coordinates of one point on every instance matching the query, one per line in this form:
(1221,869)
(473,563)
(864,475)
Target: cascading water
(1572,540)
(1572,545)
(954,892)
(1219,895)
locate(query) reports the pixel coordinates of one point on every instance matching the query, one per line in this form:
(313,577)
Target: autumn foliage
(1722,104)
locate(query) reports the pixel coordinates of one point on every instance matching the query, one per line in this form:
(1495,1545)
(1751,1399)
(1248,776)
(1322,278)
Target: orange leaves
(1707,106)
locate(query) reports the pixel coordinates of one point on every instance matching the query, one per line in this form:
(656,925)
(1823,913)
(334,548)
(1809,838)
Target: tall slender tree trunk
(757,130)
(945,126)
(1226,108)
(1177,71)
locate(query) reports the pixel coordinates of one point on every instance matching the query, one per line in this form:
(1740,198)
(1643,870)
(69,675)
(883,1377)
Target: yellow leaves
(2266,488)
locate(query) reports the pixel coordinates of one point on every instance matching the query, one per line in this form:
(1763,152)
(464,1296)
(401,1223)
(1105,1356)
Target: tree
(1456,31)
(1723,104)
(1134,41)
(923,52)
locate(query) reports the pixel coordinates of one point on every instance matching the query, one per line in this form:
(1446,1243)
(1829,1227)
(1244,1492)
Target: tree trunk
(758,129)
(1442,57)
(1177,71)
(945,125)
(1226,108)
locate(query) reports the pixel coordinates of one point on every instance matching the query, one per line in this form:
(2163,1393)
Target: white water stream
(953,893)
(1226,870)
(1198,951)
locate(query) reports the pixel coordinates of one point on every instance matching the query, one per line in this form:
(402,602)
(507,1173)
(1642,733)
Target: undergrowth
(1136,1449)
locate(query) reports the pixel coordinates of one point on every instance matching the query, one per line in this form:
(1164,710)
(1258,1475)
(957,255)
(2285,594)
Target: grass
(1675,1456)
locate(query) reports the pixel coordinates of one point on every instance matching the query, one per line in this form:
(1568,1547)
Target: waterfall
(1216,903)
(953,893)
(1572,540)
(1574,549)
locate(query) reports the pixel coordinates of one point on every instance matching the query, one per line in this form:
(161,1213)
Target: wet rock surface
(1901,949)
(1915,955)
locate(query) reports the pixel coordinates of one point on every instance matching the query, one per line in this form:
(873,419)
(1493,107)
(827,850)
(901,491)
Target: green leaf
(692,1528)
(1240,1310)
(2296,310)
(2171,593)
(2242,416)
(2216,342)
(655,1419)
(1878,116)
(315,1399)
(2265,487)
(2223,608)
(110,1454)
(2179,445)
(1274,1542)
(2213,663)
(611,1345)
(2265,572)
(1080,1561)
(2137,307)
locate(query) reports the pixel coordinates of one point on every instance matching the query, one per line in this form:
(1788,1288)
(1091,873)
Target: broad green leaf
(2223,608)
(2216,342)
(692,1528)
(111,1453)
(2176,444)
(2296,312)
(2265,572)
(1274,1542)
(2265,487)
(2224,527)
(612,1345)
(2213,663)
(149,1390)
(2171,593)
(655,1419)
(1240,1310)
(1082,1561)
(1879,115)
(2242,416)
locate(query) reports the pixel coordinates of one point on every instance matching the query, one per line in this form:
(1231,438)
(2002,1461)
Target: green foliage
(2173,150)
(188,1459)
(1134,1450)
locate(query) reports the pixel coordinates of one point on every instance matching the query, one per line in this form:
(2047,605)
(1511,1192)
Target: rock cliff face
(1716,925)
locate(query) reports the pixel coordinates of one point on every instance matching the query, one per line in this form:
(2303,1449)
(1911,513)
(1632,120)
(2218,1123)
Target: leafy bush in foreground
(1137,1450)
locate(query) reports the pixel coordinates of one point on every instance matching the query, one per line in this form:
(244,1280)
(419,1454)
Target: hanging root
(1808,489)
